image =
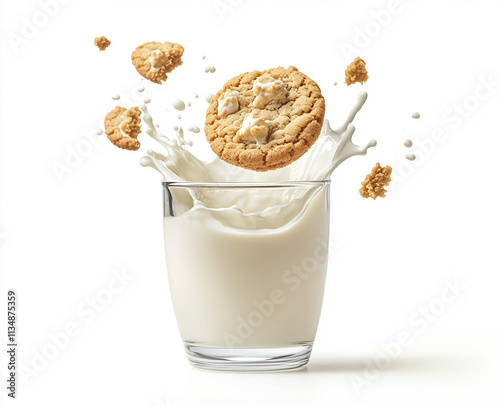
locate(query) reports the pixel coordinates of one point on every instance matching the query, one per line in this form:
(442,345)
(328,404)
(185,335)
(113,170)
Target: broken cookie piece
(122,127)
(153,60)
(375,182)
(356,72)
(102,43)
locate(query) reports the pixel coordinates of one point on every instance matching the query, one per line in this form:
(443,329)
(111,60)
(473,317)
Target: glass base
(248,359)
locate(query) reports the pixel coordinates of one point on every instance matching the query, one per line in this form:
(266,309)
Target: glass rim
(244,185)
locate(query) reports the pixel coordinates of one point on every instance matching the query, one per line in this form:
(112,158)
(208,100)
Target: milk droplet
(157,125)
(178,104)
(203,57)
(196,95)
(212,69)
(416,115)
(141,89)
(334,83)
(116,97)
(179,116)
(99,132)
(207,69)
(208,97)
(189,104)
(190,128)
(195,129)
(410,157)
(408,143)
(176,128)
(147,100)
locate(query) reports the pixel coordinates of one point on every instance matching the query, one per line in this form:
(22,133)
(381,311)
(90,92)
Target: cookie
(356,72)
(102,43)
(122,127)
(375,182)
(153,60)
(265,120)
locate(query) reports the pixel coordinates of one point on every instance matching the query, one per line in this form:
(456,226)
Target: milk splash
(178,163)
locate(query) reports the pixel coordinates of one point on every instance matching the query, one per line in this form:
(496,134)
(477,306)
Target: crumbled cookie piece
(275,117)
(122,127)
(375,182)
(153,60)
(102,43)
(356,72)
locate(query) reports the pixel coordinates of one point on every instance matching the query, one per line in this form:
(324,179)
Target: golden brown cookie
(375,182)
(102,43)
(153,60)
(356,72)
(122,127)
(265,120)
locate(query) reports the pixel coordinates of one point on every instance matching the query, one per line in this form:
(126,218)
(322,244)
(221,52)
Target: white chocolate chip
(266,89)
(228,103)
(253,130)
(157,59)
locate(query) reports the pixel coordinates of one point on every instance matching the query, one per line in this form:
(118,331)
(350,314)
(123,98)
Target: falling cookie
(122,127)
(153,60)
(265,120)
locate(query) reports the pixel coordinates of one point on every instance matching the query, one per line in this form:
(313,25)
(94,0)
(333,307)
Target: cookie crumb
(102,43)
(356,72)
(122,127)
(375,182)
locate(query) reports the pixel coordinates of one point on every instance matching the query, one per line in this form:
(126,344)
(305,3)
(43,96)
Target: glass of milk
(247,264)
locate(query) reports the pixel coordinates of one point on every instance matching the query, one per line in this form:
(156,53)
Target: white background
(61,236)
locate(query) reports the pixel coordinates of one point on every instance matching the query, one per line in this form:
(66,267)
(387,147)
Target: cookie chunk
(122,127)
(375,182)
(356,72)
(102,43)
(265,120)
(153,60)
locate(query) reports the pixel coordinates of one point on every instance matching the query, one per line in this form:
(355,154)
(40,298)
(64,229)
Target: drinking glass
(247,264)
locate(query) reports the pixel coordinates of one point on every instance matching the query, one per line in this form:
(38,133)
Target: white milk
(241,288)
